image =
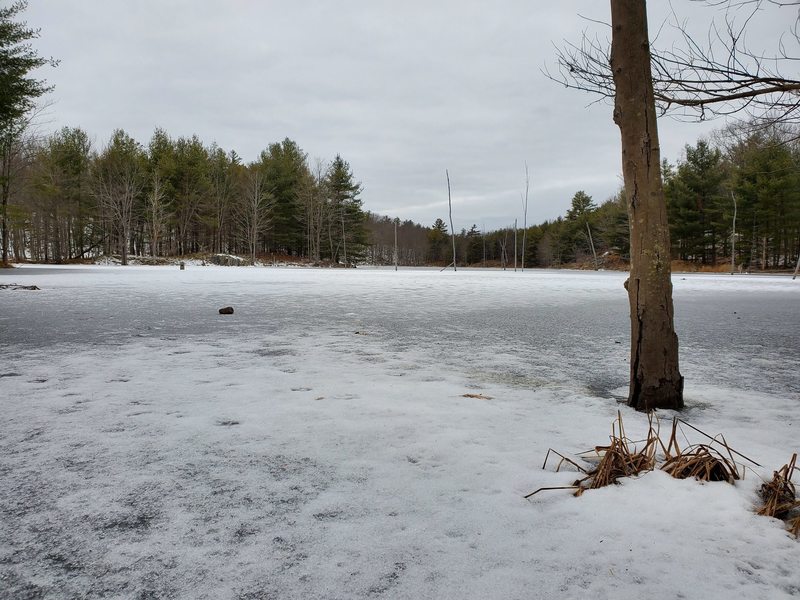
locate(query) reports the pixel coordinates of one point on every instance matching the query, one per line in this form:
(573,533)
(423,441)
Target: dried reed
(707,462)
(621,458)
(780,496)
(794,527)
(701,462)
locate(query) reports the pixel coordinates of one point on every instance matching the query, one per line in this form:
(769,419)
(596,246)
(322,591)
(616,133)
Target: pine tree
(437,240)
(696,204)
(18,95)
(474,242)
(347,218)
(285,170)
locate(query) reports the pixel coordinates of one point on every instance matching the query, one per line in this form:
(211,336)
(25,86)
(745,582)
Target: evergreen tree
(582,205)
(285,172)
(18,94)
(696,202)
(578,227)
(160,193)
(437,240)
(221,179)
(766,180)
(474,243)
(347,217)
(65,208)
(191,183)
(610,221)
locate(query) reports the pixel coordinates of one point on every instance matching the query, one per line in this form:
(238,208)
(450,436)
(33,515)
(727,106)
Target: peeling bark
(655,381)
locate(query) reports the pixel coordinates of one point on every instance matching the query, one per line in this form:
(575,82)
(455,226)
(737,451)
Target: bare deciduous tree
(155,212)
(316,209)
(118,184)
(221,184)
(720,77)
(254,211)
(655,379)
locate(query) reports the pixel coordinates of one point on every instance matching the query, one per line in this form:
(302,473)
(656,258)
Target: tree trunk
(452,229)
(124,245)
(656,381)
(344,239)
(591,244)
(5,192)
(4,218)
(733,236)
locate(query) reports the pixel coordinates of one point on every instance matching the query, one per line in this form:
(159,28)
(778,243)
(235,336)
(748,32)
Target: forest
(179,196)
(176,197)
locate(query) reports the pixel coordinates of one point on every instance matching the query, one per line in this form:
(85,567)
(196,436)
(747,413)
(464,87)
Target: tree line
(754,177)
(742,196)
(178,196)
(734,201)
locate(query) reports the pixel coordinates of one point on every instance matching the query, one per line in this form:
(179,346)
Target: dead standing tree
(452,229)
(525,213)
(688,79)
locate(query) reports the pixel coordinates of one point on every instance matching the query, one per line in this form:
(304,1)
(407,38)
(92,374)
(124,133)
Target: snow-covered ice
(318,444)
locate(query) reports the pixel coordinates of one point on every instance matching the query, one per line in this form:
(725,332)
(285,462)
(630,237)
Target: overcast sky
(402,90)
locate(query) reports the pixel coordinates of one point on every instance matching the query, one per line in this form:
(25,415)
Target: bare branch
(721,76)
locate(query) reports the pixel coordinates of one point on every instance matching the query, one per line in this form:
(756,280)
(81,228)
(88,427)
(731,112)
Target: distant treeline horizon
(179,196)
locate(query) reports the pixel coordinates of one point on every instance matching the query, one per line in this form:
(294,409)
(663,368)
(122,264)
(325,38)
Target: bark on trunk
(656,381)
(4,219)
(5,192)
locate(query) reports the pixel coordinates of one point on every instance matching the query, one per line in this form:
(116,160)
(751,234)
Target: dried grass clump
(626,458)
(706,462)
(701,462)
(780,497)
(621,458)
(794,527)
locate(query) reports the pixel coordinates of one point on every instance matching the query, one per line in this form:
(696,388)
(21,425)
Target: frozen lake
(548,325)
(318,444)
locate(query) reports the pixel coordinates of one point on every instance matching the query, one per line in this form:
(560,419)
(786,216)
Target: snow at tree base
(320,442)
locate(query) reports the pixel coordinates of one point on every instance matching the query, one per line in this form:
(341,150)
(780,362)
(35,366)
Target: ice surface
(318,444)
